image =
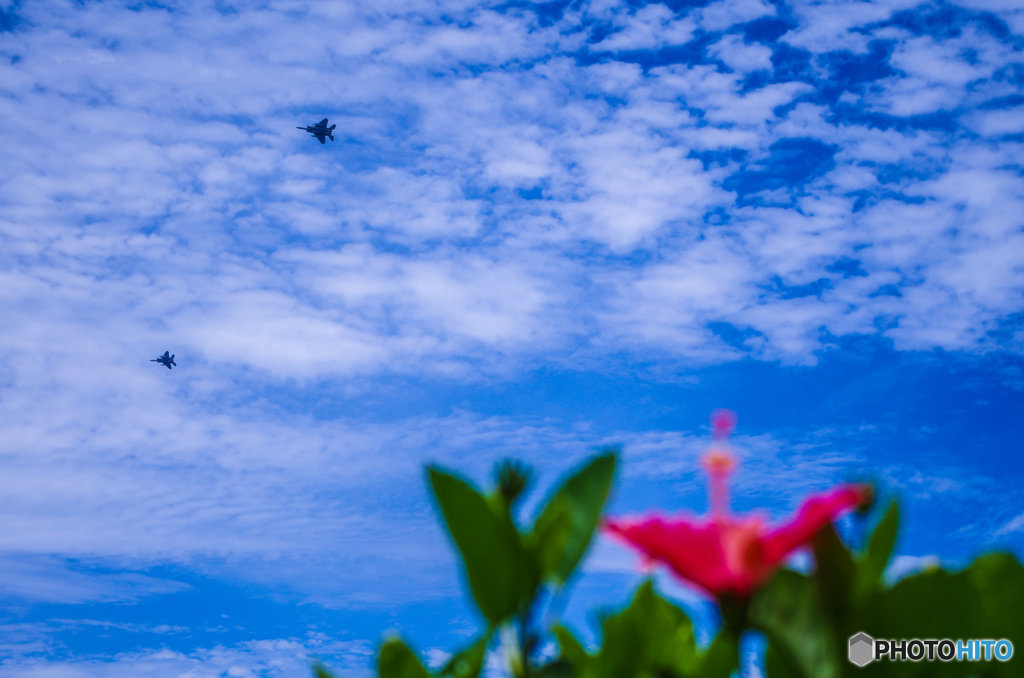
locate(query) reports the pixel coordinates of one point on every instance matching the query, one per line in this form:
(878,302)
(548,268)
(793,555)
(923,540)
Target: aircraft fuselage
(320,130)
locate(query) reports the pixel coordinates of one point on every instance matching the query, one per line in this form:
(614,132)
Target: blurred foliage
(809,618)
(805,618)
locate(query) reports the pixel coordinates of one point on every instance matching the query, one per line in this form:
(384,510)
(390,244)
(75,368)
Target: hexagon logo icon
(862,649)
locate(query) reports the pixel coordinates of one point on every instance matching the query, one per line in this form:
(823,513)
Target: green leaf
(788,610)
(512,478)
(879,551)
(650,637)
(721,658)
(469,662)
(671,643)
(981,601)
(396,660)
(774,667)
(493,557)
(834,573)
(560,668)
(570,648)
(999,580)
(320,672)
(565,527)
(622,652)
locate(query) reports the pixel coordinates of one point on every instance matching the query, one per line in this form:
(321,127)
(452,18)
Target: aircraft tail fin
(332,127)
(331,136)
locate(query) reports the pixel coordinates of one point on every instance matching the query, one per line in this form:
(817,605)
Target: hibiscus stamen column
(720,463)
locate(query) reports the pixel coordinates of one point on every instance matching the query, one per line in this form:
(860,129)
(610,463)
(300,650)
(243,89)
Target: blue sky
(543,228)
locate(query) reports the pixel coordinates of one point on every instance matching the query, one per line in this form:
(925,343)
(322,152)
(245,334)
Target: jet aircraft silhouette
(167,359)
(320,130)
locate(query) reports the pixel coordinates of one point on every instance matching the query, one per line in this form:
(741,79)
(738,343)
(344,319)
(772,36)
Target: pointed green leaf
(879,551)
(493,557)
(721,658)
(999,580)
(566,526)
(469,662)
(651,636)
(396,660)
(789,612)
(834,572)
(320,672)
(621,651)
(671,642)
(570,649)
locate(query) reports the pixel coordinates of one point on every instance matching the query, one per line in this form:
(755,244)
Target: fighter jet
(167,359)
(320,130)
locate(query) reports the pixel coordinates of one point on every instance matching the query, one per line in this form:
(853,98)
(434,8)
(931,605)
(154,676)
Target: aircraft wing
(167,354)
(322,123)
(321,138)
(167,365)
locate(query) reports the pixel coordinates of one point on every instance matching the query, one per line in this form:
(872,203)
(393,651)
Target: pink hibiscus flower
(728,554)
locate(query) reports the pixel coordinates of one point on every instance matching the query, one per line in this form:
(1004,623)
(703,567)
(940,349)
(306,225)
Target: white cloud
(266,658)
(649,27)
(1009,11)
(721,15)
(218,182)
(825,26)
(616,77)
(1012,526)
(432,305)
(941,75)
(670,304)
(628,190)
(718,95)
(806,121)
(47,579)
(996,123)
(906,565)
(740,55)
(936,62)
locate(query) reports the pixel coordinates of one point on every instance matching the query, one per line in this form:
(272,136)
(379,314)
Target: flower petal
(815,513)
(693,551)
